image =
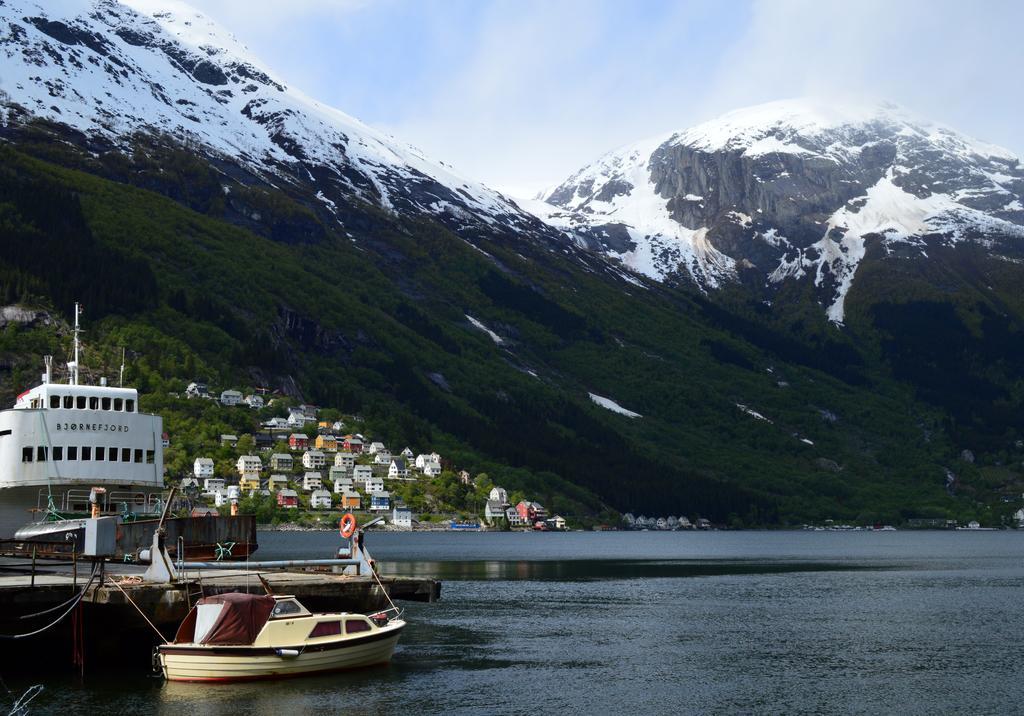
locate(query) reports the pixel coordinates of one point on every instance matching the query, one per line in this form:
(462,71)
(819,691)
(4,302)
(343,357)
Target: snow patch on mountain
(611,405)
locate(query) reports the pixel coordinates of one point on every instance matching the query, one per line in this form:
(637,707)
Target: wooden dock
(113,627)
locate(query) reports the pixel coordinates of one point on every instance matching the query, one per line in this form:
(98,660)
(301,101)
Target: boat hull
(244,663)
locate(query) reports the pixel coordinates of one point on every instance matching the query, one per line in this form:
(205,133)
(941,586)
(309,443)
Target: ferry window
(87,453)
(354,626)
(325,629)
(101,453)
(150,457)
(41,454)
(126,454)
(138,455)
(58,452)
(72,452)
(80,401)
(94,403)
(26,454)
(118,403)
(112,454)
(69,402)
(129,405)
(54,401)
(106,403)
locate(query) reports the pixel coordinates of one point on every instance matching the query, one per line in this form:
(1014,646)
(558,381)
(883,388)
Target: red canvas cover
(239,621)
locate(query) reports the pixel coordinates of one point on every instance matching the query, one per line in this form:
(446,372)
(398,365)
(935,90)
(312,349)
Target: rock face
(792,190)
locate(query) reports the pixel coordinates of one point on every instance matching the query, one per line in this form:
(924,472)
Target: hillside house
(288,499)
(326,442)
(499,494)
(256,402)
(165,440)
(220,498)
(314,460)
(343,484)
(512,515)
(298,418)
(493,510)
(346,460)
(229,440)
(212,484)
(398,469)
(312,481)
(324,426)
(263,441)
(197,390)
(380,501)
(188,483)
(382,457)
(277,482)
(249,465)
(408,454)
(230,397)
(298,441)
(464,477)
(281,461)
(432,469)
(401,517)
(375,484)
(249,482)
(376,447)
(424,459)
(202,468)
(350,500)
(352,444)
(362,473)
(276,424)
(531,512)
(320,500)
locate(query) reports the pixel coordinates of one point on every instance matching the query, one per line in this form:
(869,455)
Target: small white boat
(246,637)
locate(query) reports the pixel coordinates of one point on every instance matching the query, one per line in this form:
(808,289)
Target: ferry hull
(244,663)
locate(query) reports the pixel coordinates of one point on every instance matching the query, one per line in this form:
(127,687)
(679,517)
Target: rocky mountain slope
(792,191)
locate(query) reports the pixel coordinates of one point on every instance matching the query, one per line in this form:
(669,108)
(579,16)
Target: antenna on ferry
(48,362)
(73,365)
(121,379)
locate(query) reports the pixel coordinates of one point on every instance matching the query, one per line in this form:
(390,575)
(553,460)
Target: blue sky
(521,93)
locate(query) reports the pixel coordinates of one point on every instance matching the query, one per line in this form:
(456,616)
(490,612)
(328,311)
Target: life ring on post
(347,525)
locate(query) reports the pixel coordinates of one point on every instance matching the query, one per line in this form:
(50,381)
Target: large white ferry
(61,440)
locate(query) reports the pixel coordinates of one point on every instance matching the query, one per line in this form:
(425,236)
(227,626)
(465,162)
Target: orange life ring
(348,525)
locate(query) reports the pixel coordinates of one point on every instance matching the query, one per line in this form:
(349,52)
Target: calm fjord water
(718,622)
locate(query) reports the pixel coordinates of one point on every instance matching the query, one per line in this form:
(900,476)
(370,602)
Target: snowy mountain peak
(790,190)
(112,69)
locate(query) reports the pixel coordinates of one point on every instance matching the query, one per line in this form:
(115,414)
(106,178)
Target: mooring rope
(132,602)
(58,620)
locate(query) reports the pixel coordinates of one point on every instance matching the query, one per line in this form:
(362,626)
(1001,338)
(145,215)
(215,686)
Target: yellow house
(324,425)
(249,482)
(327,442)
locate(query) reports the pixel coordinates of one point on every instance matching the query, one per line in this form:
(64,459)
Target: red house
(353,444)
(288,499)
(531,512)
(298,441)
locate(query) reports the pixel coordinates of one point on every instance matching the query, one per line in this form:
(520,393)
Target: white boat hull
(245,663)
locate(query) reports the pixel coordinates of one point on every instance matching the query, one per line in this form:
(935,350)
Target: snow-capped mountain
(791,190)
(112,69)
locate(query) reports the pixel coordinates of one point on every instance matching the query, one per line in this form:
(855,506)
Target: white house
(1019,516)
(312,481)
(320,500)
(432,469)
(498,494)
(297,418)
(398,469)
(345,459)
(382,457)
(220,498)
(423,460)
(213,484)
(277,424)
(196,390)
(401,516)
(376,447)
(314,459)
(407,454)
(249,465)
(234,492)
(202,468)
(494,510)
(362,473)
(255,401)
(342,485)
(189,483)
(375,484)
(513,517)
(230,397)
